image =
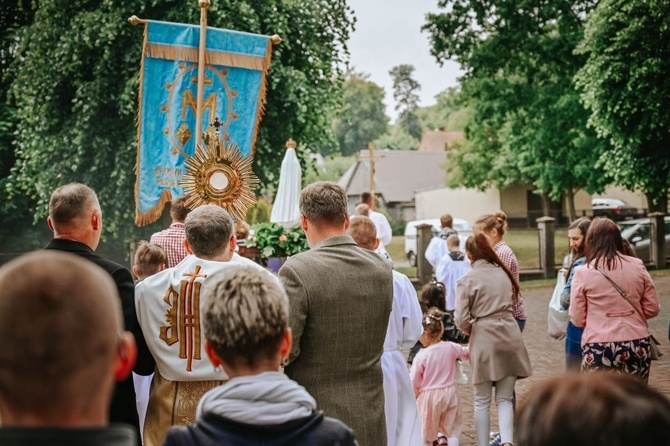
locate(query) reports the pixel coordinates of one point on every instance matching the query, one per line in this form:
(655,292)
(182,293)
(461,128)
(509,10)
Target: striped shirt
(509,259)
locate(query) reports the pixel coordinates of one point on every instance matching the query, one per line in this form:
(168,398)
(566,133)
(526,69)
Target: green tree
(405,94)
(14,15)
(448,113)
(626,86)
(526,123)
(396,138)
(331,169)
(363,118)
(77,85)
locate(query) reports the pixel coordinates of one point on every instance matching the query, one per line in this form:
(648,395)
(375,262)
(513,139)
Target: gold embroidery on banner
(183,134)
(184,318)
(190,101)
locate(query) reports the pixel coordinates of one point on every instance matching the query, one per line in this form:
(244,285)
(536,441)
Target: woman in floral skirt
(612,297)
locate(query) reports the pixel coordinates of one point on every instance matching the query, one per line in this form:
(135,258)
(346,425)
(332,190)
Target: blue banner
(234,91)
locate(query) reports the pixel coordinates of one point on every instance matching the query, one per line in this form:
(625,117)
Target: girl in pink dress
(434,376)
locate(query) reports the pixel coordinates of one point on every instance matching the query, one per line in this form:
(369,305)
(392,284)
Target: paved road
(546,354)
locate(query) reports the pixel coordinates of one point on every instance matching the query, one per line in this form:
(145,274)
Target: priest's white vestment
(404,329)
(168,308)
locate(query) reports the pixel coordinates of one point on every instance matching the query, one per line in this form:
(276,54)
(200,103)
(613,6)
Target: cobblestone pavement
(547,355)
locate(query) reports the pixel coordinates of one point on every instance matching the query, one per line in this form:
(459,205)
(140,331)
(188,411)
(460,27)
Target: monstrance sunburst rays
(221,175)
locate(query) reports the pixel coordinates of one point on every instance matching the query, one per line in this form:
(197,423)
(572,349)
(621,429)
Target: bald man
(404,329)
(62,347)
(76,221)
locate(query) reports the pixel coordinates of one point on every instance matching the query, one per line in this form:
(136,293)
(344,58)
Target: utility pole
(371,157)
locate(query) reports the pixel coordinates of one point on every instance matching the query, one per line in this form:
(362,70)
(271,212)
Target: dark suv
(613,208)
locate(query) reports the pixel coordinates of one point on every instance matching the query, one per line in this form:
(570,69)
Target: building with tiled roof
(398,175)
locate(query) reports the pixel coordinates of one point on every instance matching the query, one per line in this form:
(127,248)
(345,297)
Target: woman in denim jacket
(573,339)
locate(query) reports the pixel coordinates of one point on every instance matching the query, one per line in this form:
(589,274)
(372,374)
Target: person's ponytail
(480,249)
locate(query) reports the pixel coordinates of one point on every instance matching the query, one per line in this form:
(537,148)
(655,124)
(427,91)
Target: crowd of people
(224,352)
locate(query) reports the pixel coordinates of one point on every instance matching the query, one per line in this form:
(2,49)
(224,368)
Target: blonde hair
(149,258)
(245,316)
(363,230)
(453,241)
(362,209)
(496,221)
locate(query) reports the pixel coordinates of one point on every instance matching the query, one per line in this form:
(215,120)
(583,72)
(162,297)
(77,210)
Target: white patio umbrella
(285,210)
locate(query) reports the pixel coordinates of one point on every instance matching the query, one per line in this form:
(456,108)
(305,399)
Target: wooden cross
(371,157)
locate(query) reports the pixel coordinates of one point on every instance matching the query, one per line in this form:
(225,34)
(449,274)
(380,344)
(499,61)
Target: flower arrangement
(274,241)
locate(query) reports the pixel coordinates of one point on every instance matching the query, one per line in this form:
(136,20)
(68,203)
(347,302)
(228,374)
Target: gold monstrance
(219,174)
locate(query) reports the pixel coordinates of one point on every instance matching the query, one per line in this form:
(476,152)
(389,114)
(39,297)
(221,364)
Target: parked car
(460,225)
(638,234)
(613,208)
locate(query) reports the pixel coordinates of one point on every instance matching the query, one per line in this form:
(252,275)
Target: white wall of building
(460,203)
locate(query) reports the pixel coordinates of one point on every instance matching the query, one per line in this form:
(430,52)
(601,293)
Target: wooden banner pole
(204,4)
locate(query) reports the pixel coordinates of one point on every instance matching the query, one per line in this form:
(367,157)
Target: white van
(460,225)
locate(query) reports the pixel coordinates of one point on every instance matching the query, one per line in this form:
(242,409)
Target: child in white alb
(435,375)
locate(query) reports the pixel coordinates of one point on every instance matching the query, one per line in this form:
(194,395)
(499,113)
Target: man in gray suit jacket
(340,298)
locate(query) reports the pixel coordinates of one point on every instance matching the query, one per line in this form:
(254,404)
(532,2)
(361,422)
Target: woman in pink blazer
(616,335)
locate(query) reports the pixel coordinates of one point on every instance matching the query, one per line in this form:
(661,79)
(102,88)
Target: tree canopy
(405,89)
(363,118)
(396,138)
(75,92)
(625,83)
(448,113)
(526,123)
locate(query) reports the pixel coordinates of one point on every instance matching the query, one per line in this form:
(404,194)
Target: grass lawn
(524,242)
(526,245)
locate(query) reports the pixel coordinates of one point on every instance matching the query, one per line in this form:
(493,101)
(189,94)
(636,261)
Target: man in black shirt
(76,221)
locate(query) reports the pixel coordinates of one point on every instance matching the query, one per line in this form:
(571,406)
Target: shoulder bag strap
(623,294)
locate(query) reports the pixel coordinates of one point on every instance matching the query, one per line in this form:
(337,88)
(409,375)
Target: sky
(388,33)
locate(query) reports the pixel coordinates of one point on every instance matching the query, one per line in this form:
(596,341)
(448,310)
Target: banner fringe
(146,218)
(261,96)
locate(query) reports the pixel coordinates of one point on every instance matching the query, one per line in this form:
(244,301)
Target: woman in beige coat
(485,298)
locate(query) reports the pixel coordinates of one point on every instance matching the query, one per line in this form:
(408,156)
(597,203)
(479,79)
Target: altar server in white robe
(168,308)
(452,267)
(404,329)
